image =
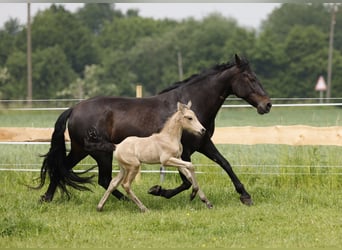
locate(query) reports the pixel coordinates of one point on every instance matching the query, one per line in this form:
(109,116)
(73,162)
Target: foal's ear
(189,104)
(181,107)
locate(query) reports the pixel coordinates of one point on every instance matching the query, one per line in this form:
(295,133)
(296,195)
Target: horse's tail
(55,161)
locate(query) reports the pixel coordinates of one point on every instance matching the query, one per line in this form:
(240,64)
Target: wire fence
(250,169)
(276,169)
(231,102)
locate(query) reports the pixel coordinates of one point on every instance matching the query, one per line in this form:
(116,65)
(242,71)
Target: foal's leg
(132,171)
(189,172)
(115,182)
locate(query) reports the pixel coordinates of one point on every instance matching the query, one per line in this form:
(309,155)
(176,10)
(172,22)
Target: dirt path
(291,135)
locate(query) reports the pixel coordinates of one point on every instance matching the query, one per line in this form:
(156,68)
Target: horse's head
(189,119)
(247,86)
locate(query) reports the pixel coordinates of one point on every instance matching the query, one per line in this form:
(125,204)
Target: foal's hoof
(144,210)
(246,200)
(193,193)
(99,209)
(155,190)
(209,205)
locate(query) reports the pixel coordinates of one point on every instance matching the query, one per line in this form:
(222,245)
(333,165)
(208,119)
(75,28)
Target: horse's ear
(237,60)
(189,104)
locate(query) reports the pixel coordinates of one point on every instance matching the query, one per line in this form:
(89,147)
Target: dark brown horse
(116,118)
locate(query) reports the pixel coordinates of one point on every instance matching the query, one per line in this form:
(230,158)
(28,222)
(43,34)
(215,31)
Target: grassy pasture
(296,191)
(297,203)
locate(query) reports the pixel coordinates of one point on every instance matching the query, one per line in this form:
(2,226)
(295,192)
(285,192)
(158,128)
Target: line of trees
(99,50)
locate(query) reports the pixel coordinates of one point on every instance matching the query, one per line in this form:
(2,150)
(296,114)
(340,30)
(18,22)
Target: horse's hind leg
(126,184)
(72,159)
(104,162)
(115,182)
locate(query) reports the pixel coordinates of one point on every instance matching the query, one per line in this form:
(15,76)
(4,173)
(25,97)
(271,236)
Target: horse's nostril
(269,105)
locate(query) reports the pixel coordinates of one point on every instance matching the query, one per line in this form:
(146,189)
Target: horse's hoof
(45,198)
(155,190)
(246,200)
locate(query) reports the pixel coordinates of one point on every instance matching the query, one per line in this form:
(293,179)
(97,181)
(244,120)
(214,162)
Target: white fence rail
(19,105)
(56,104)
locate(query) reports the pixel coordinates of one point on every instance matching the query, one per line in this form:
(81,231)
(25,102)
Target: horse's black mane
(205,73)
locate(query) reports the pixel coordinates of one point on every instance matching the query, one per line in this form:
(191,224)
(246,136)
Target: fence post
(138,90)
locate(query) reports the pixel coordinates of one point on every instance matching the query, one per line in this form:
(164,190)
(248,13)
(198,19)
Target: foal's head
(189,119)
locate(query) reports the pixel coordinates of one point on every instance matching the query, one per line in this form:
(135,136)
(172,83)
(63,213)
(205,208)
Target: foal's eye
(189,118)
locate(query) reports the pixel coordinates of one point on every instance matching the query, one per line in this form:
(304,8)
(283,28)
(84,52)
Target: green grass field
(296,192)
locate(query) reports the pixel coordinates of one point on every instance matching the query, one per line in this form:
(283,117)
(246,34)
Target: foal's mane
(205,73)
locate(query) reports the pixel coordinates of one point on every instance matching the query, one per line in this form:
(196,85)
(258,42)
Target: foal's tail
(55,161)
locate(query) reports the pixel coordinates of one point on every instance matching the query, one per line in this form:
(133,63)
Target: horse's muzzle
(264,108)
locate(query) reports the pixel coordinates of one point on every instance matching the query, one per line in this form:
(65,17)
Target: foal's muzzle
(202,132)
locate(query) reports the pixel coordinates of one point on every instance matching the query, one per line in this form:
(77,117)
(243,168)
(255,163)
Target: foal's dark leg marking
(212,153)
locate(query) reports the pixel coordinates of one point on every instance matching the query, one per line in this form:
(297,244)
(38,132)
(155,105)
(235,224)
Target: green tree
(205,43)
(4,78)
(306,52)
(8,38)
(51,72)
(292,50)
(282,19)
(16,86)
(94,15)
(57,26)
(125,33)
(86,86)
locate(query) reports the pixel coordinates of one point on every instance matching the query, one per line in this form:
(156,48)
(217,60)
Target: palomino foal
(164,147)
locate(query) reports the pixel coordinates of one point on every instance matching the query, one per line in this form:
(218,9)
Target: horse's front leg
(104,162)
(157,190)
(212,153)
(187,169)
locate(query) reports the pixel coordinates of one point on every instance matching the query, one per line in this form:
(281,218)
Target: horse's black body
(115,118)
